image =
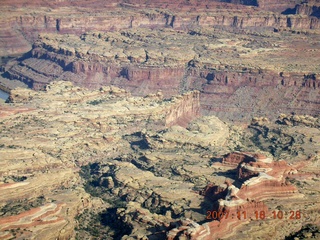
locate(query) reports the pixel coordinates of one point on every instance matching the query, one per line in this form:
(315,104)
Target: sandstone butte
(231,52)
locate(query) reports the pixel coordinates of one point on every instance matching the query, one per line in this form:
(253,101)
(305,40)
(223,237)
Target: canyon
(80,163)
(231,52)
(43,168)
(154,119)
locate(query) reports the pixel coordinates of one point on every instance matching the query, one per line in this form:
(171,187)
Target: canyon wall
(72,156)
(22,28)
(231,52)
(305,9)
(188,109)
(254,93)
(130,59)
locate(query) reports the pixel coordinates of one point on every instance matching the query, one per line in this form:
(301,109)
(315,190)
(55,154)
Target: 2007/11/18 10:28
(258,215)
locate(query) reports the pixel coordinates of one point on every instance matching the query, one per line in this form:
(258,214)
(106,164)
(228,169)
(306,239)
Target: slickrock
(204,132)
(46,136)
(291,137)
(108,141)
(80,163)
(267,187)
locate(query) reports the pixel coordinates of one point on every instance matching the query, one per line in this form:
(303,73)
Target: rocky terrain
(41,139)
(155,120)
(81,164)
(232,52)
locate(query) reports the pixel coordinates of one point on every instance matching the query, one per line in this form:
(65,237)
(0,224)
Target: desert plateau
(160,120)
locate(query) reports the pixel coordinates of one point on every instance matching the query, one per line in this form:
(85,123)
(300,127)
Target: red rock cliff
(23,28)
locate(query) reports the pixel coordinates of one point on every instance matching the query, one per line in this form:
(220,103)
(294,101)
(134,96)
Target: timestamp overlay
(267,222)
(266,198)
(254,215)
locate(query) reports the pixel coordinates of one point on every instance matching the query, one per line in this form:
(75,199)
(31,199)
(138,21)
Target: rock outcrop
(110,142)
(80,163)
(290,137)
(67,127)
(205,132)
(309,8)
(144,61)
(261,178)
(223,49)
(180,109)
(61,17)
(22,26)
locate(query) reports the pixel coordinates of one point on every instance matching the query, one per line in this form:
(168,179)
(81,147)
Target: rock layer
(96,15)
(80,163)
(261,179)
(223,50)
(221,68)
(68,126)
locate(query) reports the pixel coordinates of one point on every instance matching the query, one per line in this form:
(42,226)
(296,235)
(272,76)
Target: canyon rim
(145,119)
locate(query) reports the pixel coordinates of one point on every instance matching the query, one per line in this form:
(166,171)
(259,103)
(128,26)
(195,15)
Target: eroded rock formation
(80,163)
(21,27)
(97,162)
(223,49)
(260,177)
(66,127)
(144,61)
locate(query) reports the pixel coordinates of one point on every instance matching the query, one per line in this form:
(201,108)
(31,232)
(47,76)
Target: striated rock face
(180,109)
(110,142)
(188,108)
(215,229)
(215,62)
(276,6)
(23,27)
(311,8)
(260,178)
(234,159)
(231,51)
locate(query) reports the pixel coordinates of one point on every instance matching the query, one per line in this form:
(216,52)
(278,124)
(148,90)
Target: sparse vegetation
(105,223)
(309,231)
(19,206)
(95,102)
(18,178)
